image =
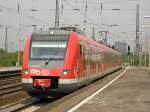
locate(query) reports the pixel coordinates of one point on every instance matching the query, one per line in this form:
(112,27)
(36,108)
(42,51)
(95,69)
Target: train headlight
(66,72)
(26,71)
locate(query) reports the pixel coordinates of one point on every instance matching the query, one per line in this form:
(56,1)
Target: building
(121,47)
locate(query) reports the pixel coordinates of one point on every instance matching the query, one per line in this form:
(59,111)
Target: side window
(81,50)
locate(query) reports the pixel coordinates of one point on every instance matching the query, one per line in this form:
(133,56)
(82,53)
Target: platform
(130,93)
(9,68)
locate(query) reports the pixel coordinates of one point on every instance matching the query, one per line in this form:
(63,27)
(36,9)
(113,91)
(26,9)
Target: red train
(59,61)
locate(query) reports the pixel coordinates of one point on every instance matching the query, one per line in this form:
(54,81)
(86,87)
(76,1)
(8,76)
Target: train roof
(51,32)
(66,32)
(60,31)
(98,44)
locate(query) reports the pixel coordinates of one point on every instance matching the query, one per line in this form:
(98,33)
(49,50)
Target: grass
(9,59)
(135,60)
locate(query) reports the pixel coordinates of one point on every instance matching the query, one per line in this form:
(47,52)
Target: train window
(80,49)
(48,49)
(84,55)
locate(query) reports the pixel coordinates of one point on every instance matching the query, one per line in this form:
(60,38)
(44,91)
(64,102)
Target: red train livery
(59,61)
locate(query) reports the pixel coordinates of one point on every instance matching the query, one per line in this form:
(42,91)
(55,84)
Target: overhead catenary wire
(89,21)
(101,8)
(82,12)
(3,1)
(62,6)
(67,9)
(85,15)
(106,2)
(23,14)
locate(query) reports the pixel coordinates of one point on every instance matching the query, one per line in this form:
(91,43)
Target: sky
(96,13)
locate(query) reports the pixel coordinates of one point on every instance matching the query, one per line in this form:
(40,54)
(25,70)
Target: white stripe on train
(61,81)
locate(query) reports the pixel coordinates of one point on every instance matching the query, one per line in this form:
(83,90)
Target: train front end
(47,68)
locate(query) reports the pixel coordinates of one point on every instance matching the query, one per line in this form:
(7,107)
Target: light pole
(140,49)
(149,50)
(147,40)
(6,40)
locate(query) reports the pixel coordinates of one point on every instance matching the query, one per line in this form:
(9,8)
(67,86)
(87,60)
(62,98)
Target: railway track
(56,104)
(19,105)
(27,104)
(10,81)
(65,102)
(10,85)
(10,89)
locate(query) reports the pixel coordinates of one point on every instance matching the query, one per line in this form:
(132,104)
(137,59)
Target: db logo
(45,72)
(39,72)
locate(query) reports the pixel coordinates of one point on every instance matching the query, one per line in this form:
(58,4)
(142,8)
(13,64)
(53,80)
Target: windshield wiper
(55,53)
(50,58)
(47,61)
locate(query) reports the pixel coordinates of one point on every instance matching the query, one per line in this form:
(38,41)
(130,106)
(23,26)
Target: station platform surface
(9,68)
(129,93)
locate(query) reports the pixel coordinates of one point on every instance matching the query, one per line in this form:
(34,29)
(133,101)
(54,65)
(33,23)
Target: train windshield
(48,49)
